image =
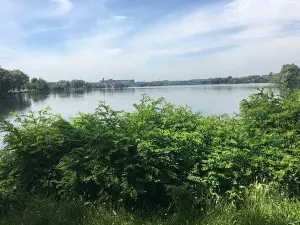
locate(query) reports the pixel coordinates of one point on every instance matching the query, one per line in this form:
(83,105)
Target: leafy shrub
(261,144)
(156,156)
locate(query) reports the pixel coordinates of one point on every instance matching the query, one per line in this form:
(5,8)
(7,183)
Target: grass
(260,207)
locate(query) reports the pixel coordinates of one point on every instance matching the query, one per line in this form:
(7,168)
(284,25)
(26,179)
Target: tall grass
(263,205)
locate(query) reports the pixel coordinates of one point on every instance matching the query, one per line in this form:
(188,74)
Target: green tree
(20,79)
(39,85)
(60,85)
(10,80)
(6,81)
(33,80)
(77,84)
(290,76)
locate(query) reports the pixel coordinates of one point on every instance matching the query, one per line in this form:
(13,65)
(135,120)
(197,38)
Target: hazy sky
(148,39)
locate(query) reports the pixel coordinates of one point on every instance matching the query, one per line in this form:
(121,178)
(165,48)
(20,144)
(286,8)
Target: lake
(207,99)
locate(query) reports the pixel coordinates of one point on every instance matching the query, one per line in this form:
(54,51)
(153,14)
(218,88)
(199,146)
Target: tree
(289,76)
(5,81)
(34,80)
(63,84)
(77,84)
(39,85)
(60,85)
(20,79)
(11,80)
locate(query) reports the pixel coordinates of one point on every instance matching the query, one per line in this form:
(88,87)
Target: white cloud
(63,6)
(113,17)
(239,38)
(44,29)
(250,14)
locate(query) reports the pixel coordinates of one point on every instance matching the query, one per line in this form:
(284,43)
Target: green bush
(157,156)
(261,144)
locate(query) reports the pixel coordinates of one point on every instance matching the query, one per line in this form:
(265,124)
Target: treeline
(219,80)
(73,85)
(16,80)
(289,76)
(62,85)
(12,81)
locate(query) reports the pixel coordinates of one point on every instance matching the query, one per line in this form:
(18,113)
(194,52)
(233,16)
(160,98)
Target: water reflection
(112,91)
(15,103)
(208,99)
(62,94)
(82,93)
(220,88)
(38,97)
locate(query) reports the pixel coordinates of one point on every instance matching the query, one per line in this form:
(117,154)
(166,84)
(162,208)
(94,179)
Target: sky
(148,39)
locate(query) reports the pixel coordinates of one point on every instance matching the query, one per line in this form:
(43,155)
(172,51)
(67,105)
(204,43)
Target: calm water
(207,99)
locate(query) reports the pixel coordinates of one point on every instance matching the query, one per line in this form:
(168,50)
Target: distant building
(114,83)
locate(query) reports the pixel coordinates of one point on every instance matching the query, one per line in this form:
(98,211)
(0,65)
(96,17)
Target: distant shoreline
(165,85)
(219,80)
(10,94)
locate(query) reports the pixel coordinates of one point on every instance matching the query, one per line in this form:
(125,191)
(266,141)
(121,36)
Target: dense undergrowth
(263,205)
(158,160)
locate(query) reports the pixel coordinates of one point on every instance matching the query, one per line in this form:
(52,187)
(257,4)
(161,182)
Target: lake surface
(207,99)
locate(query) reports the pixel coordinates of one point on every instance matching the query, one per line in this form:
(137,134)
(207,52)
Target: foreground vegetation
(159,160)
(262,205)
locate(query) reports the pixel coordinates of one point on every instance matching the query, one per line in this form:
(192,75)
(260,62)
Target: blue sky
(148,39)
